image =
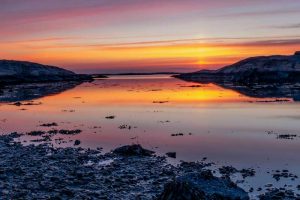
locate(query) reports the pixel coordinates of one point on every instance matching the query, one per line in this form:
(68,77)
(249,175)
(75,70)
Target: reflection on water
(217,123)
(287,90)
(26,92)
(291,91)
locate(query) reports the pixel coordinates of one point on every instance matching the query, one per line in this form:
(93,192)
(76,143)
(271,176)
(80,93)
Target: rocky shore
(128,172)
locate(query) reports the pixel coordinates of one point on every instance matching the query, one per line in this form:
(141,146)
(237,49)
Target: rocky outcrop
(262,69)
(133,150)
(203,186)
(12,72)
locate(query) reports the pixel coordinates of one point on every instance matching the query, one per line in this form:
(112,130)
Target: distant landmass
(12,72)
(139,74)
(260,77)
(262,69)
(32,91)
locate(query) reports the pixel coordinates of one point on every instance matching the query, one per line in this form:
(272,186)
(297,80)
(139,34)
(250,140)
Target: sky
(116,36)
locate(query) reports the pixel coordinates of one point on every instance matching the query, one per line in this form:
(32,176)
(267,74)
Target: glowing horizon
(143,36)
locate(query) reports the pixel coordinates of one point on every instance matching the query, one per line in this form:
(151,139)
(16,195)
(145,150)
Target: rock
(286,136)
(110,117)
(177,134)
(36,133)
(280,194)
(247,172)
(17,103)
(125,126)
(49,124)
(69,132)
(227,170)
(202,186)
(133,150)
(171,154)
(77,142)
(160,102)
(178,190)
(30,103)
(277,175)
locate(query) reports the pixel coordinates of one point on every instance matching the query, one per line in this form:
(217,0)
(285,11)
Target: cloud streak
(260,13)
(288,26)
(68,42)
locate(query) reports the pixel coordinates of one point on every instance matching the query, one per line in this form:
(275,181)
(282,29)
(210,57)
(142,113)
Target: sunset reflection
(167,91)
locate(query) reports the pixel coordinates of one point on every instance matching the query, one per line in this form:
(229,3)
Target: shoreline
(41,171)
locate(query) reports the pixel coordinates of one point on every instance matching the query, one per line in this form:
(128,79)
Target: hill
(12,72)
(262,69)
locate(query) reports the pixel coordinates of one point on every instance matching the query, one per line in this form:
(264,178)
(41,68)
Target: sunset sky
(112,36)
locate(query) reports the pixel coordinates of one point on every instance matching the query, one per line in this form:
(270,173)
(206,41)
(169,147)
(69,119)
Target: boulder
(133,150)
(171,154)
(202,186)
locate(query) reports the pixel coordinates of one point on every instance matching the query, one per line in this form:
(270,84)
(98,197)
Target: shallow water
(226,127)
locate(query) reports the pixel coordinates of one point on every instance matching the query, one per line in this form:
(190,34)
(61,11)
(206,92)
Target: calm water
(221,124)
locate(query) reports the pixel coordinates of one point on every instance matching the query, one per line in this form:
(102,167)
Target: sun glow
(196,54)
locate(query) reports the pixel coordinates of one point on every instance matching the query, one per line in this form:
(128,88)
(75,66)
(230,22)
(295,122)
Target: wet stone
(133,150)
(202,186)
(171,154)
(77,142)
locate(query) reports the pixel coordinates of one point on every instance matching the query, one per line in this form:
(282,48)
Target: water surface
(221,124)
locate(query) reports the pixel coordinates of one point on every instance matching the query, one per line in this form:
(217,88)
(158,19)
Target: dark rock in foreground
(77,142)
(43,172)
(262,69)
(171,154)
(13,72)
(133,150)
(203,186)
